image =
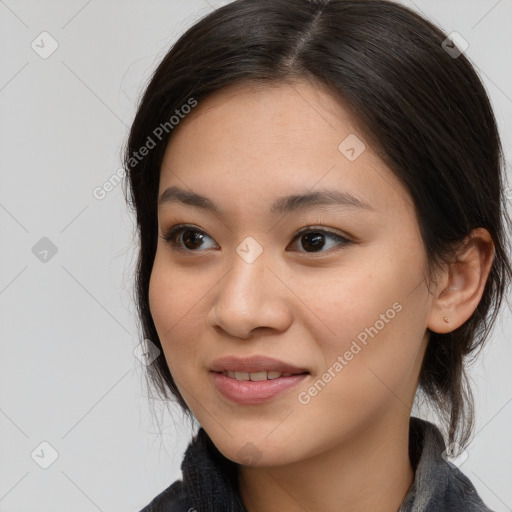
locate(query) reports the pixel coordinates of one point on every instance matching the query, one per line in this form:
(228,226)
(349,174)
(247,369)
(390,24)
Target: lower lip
(254,392)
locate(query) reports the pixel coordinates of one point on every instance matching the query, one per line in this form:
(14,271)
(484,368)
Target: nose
(250,297)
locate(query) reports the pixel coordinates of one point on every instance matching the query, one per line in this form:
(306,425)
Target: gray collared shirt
(438,485)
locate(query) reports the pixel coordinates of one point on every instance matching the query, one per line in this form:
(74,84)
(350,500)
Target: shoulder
(171,499)
(438,483)
(460,490)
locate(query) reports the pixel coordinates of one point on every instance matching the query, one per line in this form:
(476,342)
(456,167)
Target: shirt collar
(210,480)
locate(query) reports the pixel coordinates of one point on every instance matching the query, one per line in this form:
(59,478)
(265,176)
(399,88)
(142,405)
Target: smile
(256,387)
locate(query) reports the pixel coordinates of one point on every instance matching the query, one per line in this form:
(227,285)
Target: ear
(461,283)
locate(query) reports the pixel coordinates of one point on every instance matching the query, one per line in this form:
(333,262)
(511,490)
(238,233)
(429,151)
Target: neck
(370,472)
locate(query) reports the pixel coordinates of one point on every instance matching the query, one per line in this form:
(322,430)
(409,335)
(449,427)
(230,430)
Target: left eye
(315,238)
(188,238)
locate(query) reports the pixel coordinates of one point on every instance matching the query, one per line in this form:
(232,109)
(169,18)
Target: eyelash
(171,235)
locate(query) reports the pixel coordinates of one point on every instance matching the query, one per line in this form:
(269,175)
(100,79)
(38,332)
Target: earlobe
(459,292)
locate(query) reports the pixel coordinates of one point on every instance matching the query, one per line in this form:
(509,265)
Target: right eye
(184,237)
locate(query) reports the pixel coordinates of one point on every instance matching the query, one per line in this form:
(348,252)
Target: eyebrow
(281,206)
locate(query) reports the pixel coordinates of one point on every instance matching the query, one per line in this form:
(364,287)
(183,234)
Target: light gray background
(68,374)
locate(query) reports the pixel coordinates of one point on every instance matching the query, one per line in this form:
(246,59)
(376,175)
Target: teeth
(256,376)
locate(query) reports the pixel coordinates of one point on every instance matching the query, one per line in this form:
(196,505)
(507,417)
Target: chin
(256,451)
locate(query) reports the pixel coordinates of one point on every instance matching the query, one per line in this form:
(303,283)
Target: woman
(319,196)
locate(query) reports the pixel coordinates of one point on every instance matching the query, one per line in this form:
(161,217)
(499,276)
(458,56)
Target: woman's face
(346,302)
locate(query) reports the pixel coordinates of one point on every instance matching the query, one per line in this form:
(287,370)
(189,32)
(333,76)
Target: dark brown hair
(424,111)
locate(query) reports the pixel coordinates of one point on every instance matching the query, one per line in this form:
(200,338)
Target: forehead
(308,100)
(253,139)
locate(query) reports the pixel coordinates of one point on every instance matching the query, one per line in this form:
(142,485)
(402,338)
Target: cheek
(175,308)
(359,303)
(373,324)
(162,303)
(174,296)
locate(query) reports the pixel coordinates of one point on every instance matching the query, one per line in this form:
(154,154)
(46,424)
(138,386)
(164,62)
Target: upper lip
(253,364)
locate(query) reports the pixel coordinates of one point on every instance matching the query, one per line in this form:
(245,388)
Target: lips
(254,364)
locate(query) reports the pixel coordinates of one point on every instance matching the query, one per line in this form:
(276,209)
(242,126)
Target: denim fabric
(209,481)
